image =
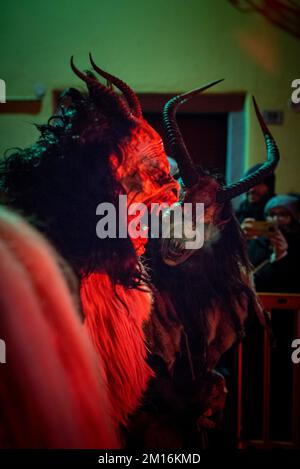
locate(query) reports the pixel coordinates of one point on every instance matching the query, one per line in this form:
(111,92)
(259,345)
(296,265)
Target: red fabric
(51,392)
(117,334)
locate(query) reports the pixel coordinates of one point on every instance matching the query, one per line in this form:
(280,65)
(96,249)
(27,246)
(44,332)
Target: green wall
(157,46)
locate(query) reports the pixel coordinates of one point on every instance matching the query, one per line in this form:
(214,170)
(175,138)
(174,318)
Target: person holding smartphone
(274,247)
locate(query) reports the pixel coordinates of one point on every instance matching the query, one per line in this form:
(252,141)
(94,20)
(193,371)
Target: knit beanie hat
(289,202)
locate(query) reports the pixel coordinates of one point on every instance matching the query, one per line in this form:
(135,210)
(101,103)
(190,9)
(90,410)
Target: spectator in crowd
(256,198)
(276,258)
(297,195)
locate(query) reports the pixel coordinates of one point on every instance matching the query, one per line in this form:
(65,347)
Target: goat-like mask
(204,188)
(143,169)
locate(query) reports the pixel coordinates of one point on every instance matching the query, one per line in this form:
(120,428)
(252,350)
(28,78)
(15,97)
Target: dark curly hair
(58,182)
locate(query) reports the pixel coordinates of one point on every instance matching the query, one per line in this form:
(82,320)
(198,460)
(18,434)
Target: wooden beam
(21,106)
(202,104)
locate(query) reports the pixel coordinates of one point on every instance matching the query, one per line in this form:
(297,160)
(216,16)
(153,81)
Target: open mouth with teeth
(174,252)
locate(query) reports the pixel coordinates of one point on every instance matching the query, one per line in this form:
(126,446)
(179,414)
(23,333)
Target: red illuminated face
(145,171)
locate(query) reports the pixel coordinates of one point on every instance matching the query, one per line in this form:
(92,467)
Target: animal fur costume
(204,300)
(53,392)
(98,146)
(94,150)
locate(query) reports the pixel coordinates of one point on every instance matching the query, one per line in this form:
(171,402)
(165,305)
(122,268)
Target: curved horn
(129,94)
(94,85)
(273,156)
(178,148)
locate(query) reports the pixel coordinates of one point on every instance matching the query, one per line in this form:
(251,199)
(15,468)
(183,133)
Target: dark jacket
(279,276)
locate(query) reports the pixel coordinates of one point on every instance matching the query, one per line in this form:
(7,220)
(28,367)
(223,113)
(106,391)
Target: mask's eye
(133,181)
(159,175)
(132,174)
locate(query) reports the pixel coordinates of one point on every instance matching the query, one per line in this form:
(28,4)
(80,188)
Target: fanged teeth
(177,245)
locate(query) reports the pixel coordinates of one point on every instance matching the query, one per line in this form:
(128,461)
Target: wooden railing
(271,302)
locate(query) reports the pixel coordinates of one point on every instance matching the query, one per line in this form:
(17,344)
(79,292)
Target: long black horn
(129,94)
(179,151)
(95,86)
(273,156)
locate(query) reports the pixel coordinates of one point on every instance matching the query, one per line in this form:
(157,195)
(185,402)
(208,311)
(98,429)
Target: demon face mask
(140,165)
